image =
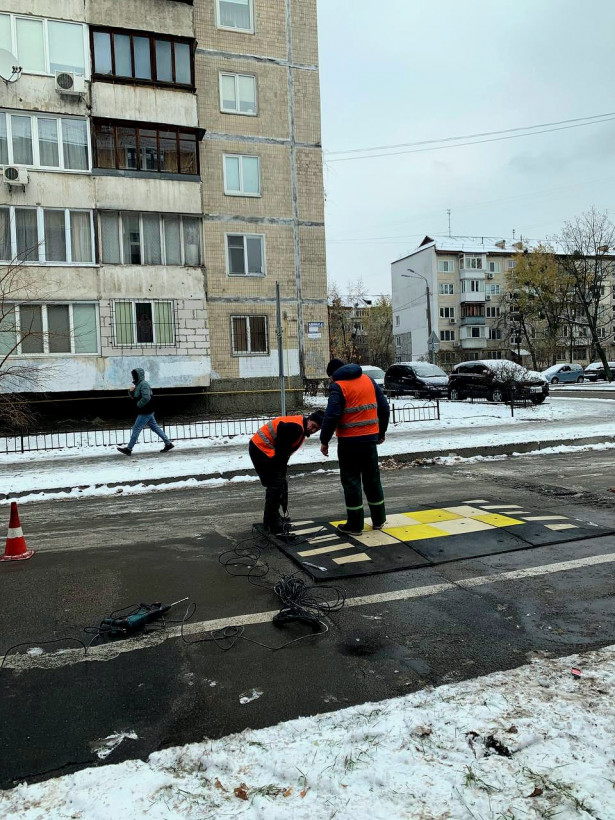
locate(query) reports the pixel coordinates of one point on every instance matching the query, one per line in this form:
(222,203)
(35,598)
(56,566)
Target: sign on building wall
(314,330)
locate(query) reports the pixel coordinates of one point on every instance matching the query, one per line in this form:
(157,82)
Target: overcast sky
(401,71)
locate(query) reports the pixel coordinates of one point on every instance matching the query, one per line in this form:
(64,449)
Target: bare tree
(379,331)
(588,244)
(345,335)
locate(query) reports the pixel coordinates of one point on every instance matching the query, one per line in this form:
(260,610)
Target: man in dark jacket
(141,392)
(270,448)
(358,413)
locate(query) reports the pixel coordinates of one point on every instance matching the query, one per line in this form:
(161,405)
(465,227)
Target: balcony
(472,320)
(472,344)
(472,296)
(472,273)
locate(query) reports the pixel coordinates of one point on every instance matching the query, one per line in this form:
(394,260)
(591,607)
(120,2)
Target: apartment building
(161,170)
(454,287)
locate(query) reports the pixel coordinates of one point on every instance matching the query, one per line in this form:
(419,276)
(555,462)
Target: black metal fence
(183,431)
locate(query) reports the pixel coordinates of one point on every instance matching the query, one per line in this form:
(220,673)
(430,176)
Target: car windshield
(373,372)
(425,370)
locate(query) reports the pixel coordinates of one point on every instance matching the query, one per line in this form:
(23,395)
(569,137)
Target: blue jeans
(146,420)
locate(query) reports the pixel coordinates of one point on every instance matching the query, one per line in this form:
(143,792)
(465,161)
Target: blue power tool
(136,621)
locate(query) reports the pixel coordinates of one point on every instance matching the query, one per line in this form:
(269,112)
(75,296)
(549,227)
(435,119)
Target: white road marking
(110,651)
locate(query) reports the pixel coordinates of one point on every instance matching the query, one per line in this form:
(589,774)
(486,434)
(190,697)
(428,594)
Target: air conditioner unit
(70,84)
(452,321)
(489,276)
(15,175)
(487,298)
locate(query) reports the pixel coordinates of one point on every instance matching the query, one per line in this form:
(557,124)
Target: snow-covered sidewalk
(463,428)
(534,742)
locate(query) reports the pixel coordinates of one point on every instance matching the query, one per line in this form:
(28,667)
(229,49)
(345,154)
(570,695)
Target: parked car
(496,380)
(564,373)
(419,379)
(375,373)
(595,371)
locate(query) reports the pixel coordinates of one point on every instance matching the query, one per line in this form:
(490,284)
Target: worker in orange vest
(270,448)
(358,413)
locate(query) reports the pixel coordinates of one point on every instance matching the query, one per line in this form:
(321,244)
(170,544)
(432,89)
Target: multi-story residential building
(454,287)
(168,164)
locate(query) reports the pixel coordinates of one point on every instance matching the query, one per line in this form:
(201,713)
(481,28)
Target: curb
(312,467)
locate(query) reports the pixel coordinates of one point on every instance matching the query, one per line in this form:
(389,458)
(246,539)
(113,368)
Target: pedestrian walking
(270,448)
(141,393)
(358,413)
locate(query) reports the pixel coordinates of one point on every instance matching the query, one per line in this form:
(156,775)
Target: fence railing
(181,431)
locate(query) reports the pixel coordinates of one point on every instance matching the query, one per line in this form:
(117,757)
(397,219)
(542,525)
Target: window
(446,266)
(146,322)
(472,286)
(44,141)
(447,312)
(249,335)
(492,290)
(493,312)
(235,14)
(238,94)
(493,267)
(511,264)
(142,58)
(241,175)
(495,333)
(475,332)
(397,321)
(158,149)
(447,335)
(245,254)
(47,235)
(446,288)
(473,262)
(49,329)
(471,310)
(132,238)
(44,46)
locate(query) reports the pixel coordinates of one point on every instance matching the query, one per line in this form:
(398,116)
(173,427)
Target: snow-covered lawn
(535,742)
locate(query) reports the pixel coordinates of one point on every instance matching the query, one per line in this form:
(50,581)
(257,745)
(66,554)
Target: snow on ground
(534,742)
(103,471)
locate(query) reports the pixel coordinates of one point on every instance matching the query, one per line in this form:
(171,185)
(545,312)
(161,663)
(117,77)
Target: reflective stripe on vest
(265,437)
(360,415)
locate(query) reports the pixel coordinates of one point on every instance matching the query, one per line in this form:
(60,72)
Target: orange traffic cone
(16,548)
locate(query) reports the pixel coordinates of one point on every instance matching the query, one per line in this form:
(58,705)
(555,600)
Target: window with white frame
(245,254)
(49,329)
(473,262)
(472,286)
(397,320)
(446,288)
(447,335)
(45,46)
(445,266)
(476,332)
(447,312)
(249,335)
(492,290)
(495,333)
(241,175)
(511,264)
(44,141)
(132,238)
(237,15)
(493,312)
(143,322)
(238,94)
(493,267)
(46,235)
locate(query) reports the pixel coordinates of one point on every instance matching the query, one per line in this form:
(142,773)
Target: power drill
(145,614)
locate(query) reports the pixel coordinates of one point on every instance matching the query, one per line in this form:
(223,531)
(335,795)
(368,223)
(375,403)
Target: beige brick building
(163,193)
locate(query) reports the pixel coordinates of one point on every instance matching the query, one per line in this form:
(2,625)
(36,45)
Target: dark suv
(419,379)
(496,380)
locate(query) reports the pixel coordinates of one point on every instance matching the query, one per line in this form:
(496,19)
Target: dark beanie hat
(317,416)
(334,365)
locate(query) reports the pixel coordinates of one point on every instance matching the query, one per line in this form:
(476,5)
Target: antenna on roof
(513,233)
(448,211)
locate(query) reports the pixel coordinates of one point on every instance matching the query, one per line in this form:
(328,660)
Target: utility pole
(280,348)
(429,322)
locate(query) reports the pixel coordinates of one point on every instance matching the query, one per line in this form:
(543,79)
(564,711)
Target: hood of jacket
(347,372)
(138,375)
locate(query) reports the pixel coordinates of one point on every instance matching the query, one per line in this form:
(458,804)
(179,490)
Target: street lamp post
(410,275)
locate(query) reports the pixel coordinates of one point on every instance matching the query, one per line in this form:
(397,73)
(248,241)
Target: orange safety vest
(360,415)
(266,436)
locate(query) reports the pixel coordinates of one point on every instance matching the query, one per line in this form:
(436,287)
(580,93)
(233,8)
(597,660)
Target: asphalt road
(423,627)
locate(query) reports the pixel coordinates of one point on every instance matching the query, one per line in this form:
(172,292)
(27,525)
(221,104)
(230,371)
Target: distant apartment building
(453,288)
(161,170)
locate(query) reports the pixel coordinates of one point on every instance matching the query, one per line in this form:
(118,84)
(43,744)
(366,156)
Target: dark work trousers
(273,478)
(359,466)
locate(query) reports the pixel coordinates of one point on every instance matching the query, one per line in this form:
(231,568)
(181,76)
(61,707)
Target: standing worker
(141,392)
(270,448)
(358,412)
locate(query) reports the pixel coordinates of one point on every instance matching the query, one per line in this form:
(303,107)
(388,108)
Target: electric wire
(41,643)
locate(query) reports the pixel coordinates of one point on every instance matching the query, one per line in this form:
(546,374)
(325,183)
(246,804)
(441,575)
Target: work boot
(379,526)
(125,451)
(345,529)
(167,447)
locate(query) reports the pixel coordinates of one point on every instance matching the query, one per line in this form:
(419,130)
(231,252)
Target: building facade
(455,288)
(167,172)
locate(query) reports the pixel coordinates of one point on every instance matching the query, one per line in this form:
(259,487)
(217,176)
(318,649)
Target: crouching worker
(270,449)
